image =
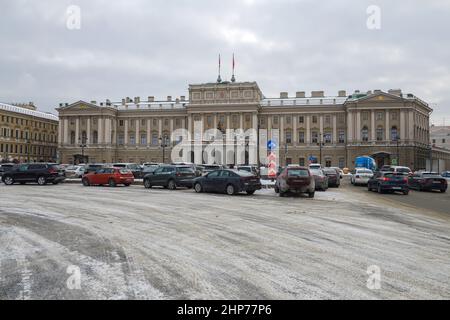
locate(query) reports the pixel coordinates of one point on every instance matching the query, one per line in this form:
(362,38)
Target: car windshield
(430,174)
(185,169)
(120,165)
(243,173)
(316,172)
(403,170)
(298,173)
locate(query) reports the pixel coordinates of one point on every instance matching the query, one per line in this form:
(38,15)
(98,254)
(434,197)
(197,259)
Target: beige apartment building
(27,135)
(392,126)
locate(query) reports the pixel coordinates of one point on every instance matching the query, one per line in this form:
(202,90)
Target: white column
(114,125)
(215,121)
(349,127)
(160,127)
(294,129)
(189,124)
(402,125)
(108,131)
(137,132)
(411,125)
(281,119)
(149,135)
(358,125)
(241,121)
(125,137)
(335,140)
(228,121)
(387,129)
(88,131)
(255,122)
(171,130)
(77,130)
(372,126)
(60,132)
(321,124)
(308,129)
(66,131)
(100,131)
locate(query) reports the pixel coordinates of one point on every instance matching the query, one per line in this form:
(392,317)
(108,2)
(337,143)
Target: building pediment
(380,97)
(79,105)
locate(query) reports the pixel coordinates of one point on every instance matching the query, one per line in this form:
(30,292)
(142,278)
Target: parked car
(74,171)
(133,167)
(210,167)
(334,177)
(339,171)
(5,167)
(427,181)
(230,181)
(296,180)
(251,169)
(397,169)
(108,176)
(92,167)
(170,176)
(320,179)
(385,181)
(41,173)
(198,169)
(361,176)
(446,175)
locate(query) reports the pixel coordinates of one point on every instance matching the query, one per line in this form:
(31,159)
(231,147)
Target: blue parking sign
(271,145)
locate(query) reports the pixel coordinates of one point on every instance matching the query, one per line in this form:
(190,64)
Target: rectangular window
(154,139)
(132,139)
(341,163)
(288,137)
(365,116)
(379,116)
(301,162)
(315,137)
(301,137)
(275,119)
(341,136)
(327,137)
(314,119)
(143,139)
(301,119)
(288,120)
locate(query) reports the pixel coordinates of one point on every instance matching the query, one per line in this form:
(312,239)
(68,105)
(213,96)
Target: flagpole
(219,79)
(233,79)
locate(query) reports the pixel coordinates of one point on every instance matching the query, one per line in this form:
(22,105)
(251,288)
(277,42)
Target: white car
(361,176)
(315,166)
(74,171)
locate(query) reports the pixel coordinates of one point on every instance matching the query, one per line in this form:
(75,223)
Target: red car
(109,176)
(295,180)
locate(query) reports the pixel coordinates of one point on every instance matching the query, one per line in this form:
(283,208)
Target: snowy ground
(133,243)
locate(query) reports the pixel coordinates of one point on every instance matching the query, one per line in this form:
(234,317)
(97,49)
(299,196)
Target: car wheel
(85,182)
(443,190)
(230,189)
(276,189)
(172,185)
(41,181)
(55,182)
(8,181)
(22,183)
(379,189)
(126,184)
(147,183)
(198,187)
(250,192)
(406,192)
(112,183)
(311,194)
(281,194)
(369,188)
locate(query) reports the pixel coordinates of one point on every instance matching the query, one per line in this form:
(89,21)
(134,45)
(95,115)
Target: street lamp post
(82,146)
(320,147)
(398,151)
(28,150)
(163,144)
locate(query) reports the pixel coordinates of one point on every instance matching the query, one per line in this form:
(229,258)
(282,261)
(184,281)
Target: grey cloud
(137,47)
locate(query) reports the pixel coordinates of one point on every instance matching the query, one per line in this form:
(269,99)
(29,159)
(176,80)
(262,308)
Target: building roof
(28,112)
(279,102)
(156,105)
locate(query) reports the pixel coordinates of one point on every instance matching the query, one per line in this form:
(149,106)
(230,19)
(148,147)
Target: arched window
(394,133)
(95,137)
(365,134)
(380,135)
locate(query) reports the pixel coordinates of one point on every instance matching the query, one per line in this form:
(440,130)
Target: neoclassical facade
(391,126)
(26,134)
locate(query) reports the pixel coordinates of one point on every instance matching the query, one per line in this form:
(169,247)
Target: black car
(384,181)
(229,181)
(41,173)
(171,177)
(5,167)
(334,177)
(427,181)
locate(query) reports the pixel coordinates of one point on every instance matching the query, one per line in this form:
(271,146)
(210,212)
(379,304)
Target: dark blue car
(384,181)
(228,181)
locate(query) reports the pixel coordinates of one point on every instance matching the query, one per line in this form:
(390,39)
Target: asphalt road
(428,202)
(133,243)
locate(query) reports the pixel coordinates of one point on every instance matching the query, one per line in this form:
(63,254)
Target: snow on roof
(156,105)
(274,102)
(25,111)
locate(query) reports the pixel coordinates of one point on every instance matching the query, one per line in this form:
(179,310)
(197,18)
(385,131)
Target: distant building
(392,126)
(27,134)
(440,136)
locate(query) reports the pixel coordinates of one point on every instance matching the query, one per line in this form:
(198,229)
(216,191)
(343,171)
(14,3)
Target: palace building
(27,135)
(392,126)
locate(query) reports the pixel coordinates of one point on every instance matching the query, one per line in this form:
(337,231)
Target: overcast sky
(152,47)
